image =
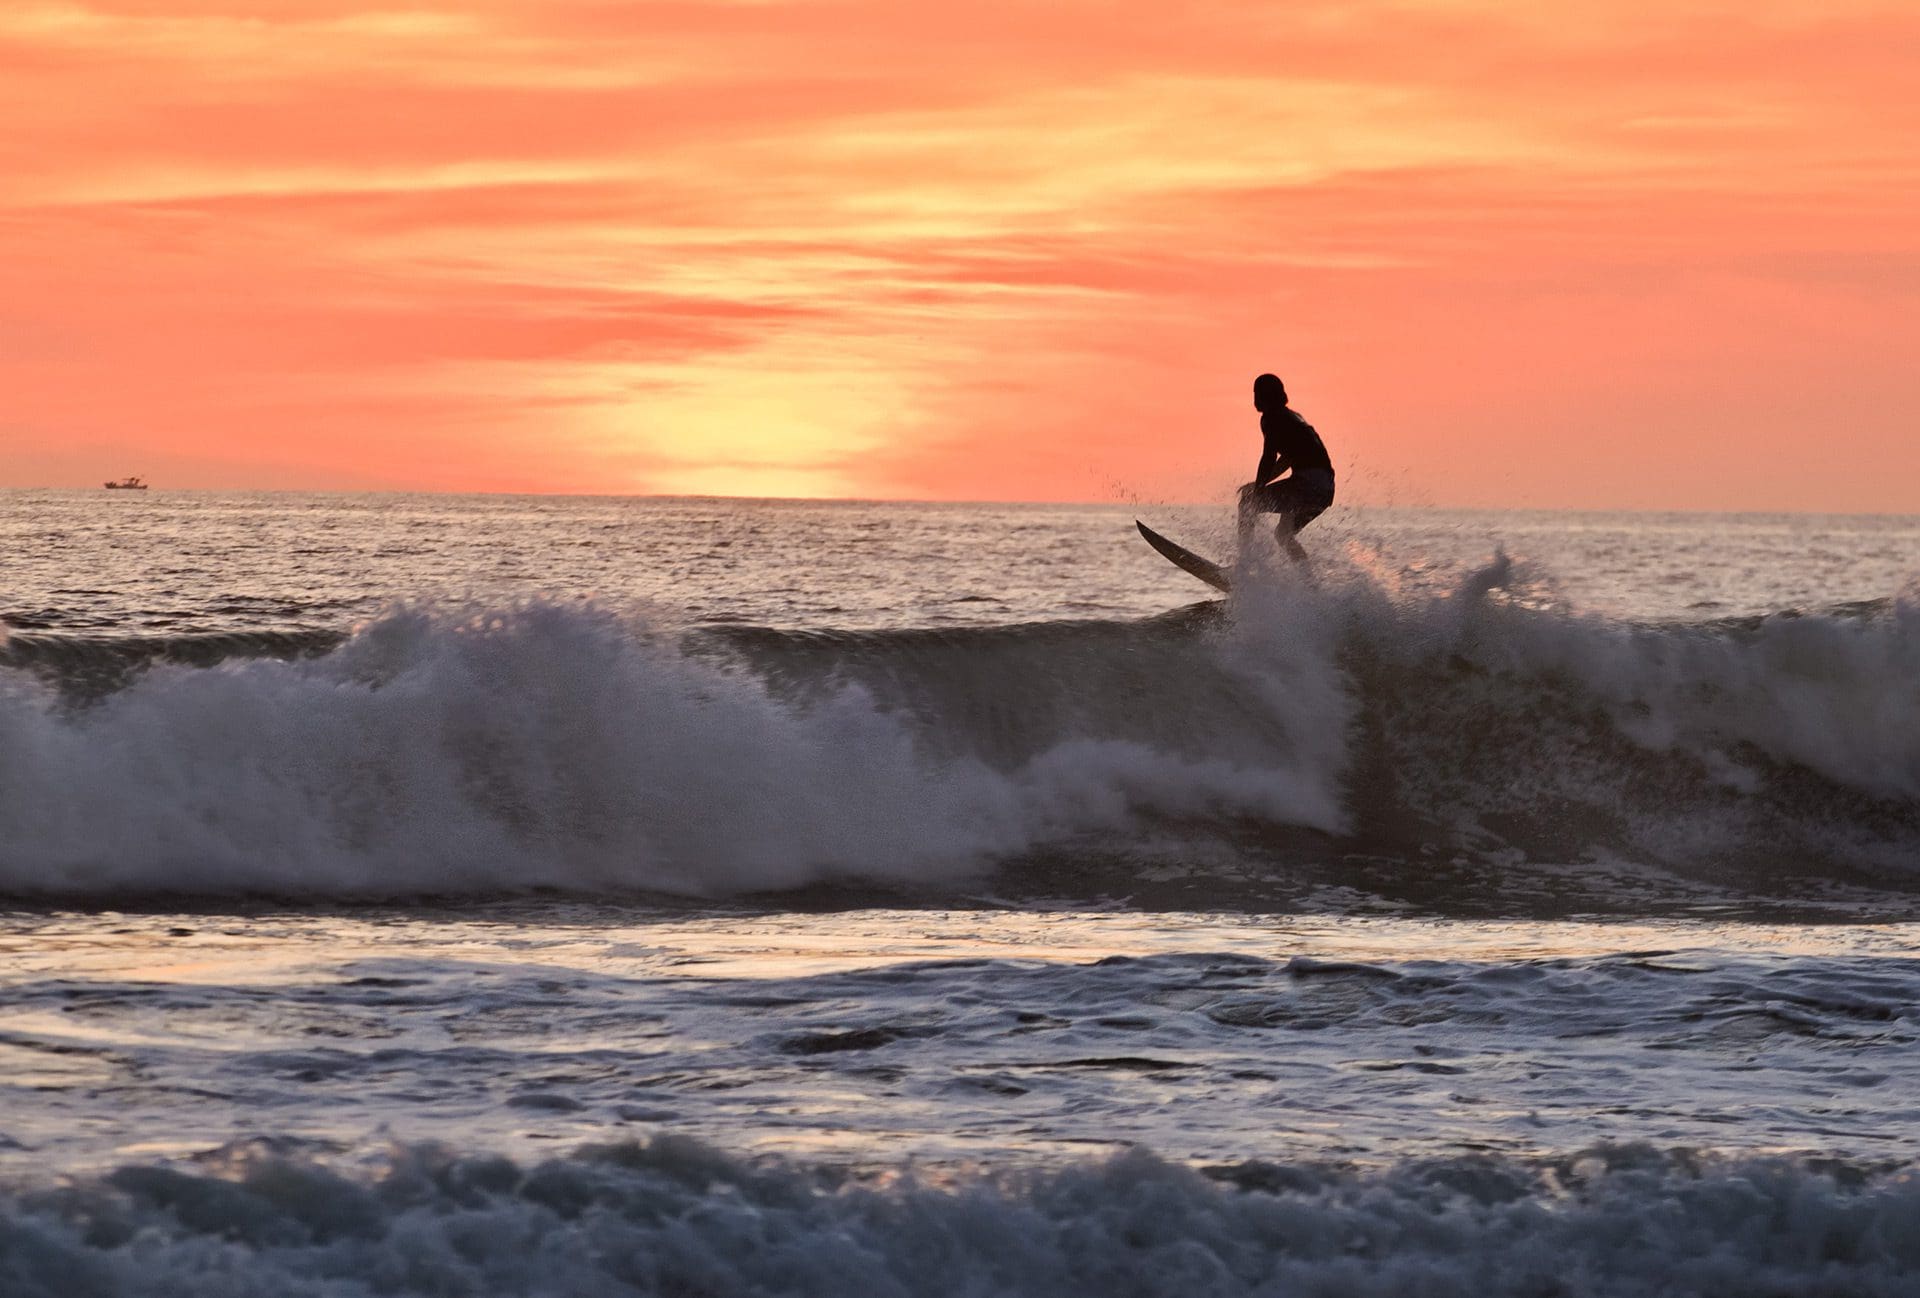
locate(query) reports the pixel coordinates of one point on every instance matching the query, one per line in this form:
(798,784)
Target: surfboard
(1186,560)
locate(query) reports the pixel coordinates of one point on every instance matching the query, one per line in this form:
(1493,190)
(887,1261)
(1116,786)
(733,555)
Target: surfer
(1290,444)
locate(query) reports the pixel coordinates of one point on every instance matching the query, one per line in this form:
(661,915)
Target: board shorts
(1300,498)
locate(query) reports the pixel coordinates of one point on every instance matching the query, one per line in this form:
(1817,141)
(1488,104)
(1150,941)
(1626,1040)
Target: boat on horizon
(128,484)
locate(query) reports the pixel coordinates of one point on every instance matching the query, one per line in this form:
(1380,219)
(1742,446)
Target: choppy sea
(439,895)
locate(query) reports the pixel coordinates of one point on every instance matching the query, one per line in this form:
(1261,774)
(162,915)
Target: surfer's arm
(1270,467)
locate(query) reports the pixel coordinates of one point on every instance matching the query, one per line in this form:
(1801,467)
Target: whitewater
(436,894)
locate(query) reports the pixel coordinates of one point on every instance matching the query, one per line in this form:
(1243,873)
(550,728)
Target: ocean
(525,895)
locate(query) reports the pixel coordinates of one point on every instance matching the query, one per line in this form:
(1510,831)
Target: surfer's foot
(1302,564)
(1247,550)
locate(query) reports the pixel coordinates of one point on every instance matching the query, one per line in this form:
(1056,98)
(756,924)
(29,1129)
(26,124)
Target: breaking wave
(1289,732)
(676,1217)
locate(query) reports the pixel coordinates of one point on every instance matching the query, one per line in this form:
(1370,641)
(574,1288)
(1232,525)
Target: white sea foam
(1723,741)
(543,745)
(675,1217)
(1839,695)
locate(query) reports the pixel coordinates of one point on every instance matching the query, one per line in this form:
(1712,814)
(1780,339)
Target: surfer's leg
(1249,512)
(1298,507)
(1255,501)
(1283,498)
(1287,535)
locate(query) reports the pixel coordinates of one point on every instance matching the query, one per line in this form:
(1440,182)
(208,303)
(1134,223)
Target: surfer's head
(1269,393)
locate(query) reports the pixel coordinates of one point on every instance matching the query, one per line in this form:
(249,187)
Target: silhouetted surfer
(1291,443)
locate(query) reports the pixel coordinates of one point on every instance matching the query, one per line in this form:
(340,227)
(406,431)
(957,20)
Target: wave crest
(455,751)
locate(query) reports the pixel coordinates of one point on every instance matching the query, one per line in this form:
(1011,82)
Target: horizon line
(926,501)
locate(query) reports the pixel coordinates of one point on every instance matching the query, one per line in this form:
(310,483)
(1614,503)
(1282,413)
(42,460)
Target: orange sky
(1643,254)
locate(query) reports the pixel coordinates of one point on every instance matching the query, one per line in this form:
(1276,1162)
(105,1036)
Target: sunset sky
(1639,254)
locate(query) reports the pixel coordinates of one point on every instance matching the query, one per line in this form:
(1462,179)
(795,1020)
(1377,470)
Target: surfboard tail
(1186,560)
